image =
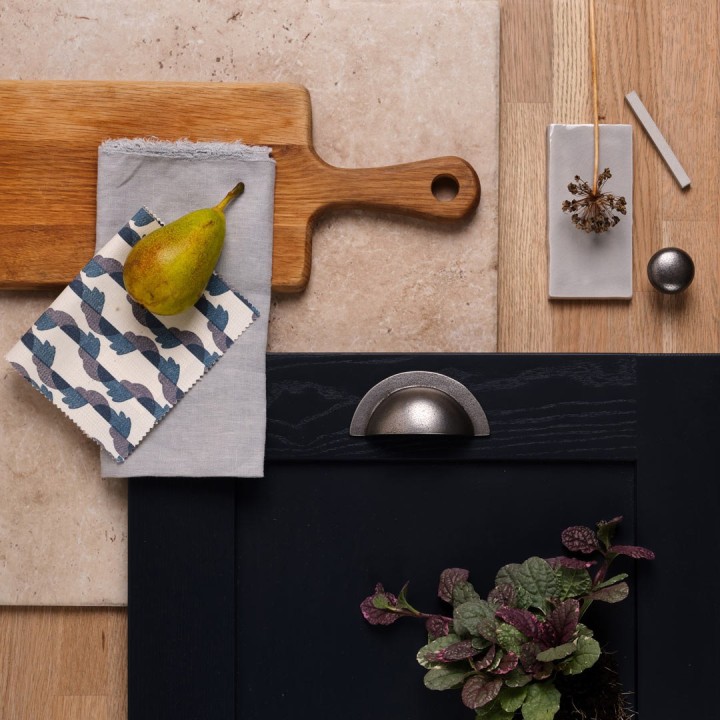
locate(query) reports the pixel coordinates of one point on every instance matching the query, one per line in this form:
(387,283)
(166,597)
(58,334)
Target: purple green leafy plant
(505,652)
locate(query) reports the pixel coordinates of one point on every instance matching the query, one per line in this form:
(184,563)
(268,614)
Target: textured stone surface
(391,81)
(63,530)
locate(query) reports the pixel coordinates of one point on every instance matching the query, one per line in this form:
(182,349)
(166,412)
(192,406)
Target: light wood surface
(63,664)
(667,52)
(50,132)
(52,664)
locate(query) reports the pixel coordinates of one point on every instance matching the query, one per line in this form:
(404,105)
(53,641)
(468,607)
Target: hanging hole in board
(445,188)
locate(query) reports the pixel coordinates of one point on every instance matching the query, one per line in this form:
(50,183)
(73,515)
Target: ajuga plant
(591,209)
(513,653)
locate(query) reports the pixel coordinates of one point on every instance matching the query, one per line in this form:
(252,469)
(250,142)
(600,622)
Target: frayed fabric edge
(188,149)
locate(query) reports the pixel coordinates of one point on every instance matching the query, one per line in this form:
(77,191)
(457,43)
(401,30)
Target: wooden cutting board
(50,133)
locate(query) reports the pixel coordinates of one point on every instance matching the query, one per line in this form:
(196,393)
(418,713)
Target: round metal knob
(671,270)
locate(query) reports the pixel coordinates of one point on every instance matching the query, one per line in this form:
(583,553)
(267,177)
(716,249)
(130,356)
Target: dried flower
(593,210)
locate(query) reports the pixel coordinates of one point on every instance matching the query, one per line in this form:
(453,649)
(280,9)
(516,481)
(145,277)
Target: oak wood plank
(667,52)
(63,663)
(50,133)
(83,707)
(523,321)
(526,51)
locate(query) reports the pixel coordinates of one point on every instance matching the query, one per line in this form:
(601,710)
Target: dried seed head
(594,212)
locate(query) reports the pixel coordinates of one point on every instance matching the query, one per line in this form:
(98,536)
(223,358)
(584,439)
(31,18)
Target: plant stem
(599,577)
(586,603)
(425,616)
(412,612)
(596,129)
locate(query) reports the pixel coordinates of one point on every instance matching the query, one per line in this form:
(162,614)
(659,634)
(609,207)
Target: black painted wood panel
(679,491)
(314,538)
(181,590)
(216,566)
(554,406)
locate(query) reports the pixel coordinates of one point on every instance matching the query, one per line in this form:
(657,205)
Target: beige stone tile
(63,534)
(391,81)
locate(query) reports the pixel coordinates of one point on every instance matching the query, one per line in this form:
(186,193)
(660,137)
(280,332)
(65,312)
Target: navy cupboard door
(244,594)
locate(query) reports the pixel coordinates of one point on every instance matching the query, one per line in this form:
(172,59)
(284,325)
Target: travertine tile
(391,81)
(63,530)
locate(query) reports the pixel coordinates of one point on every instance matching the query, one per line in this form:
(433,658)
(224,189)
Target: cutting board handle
(443,188)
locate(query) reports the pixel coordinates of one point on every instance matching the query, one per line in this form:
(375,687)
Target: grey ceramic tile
(580,264)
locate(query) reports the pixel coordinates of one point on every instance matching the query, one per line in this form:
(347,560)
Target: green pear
(167,270)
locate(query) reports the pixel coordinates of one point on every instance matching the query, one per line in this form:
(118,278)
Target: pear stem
(235,192)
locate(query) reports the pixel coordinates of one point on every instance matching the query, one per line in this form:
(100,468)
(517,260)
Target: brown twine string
(593,62)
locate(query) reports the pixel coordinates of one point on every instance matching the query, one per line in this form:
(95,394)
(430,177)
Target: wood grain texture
(50,132)
(63,664)
(532,400)
(668,52)
(651,46)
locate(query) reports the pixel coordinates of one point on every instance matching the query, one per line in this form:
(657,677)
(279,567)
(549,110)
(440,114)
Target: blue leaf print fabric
(111,366)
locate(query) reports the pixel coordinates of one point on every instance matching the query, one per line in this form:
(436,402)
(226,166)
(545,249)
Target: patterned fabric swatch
(111,366)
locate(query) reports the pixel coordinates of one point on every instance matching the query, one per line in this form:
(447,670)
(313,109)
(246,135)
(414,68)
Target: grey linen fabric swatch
(218,428)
